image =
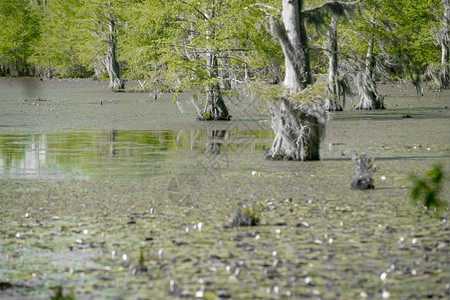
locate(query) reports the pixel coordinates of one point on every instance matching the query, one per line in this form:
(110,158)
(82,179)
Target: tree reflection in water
(214,141)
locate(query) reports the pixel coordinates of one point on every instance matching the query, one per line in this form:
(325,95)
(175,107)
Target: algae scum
(132,199)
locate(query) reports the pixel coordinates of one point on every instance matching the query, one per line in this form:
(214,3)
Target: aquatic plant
(364,169)
(407,115)
(60,296)
(247,215)
(426,189)
(140,268)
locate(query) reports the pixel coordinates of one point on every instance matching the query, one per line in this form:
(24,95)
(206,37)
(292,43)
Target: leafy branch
(427,189)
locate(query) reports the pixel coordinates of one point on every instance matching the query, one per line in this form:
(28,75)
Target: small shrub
(426,189)
(247,215)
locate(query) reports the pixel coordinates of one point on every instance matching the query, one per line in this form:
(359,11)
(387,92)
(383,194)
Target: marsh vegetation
(102,217)
(220,170)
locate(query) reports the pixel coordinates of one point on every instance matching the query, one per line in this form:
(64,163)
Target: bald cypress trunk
(110,61)
(292,36)
(369,97)
(441,72)
(445,48)
(334,102)
(215,108)
(298,126)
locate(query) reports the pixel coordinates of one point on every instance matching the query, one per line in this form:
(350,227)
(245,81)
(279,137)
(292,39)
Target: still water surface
(91,154)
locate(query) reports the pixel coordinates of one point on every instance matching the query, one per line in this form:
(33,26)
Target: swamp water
(113,196)
(91,154)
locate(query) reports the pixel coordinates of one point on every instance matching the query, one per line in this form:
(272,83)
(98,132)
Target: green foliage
(409,26)
(20,29)
(403,31)
(426,189)
(266,92)
(205,29)
(206,115)
(163,44)
(142,46)
(75,35)
(140,268)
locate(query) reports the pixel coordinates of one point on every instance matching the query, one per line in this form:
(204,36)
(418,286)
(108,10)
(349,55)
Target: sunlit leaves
(404,30)
(426,189)
(19,30)
(62,47)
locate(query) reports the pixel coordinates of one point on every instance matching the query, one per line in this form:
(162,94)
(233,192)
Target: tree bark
(294,42)
(445,48)
(110,61)
(215,108)
(334,101)
(298,126)
(369,97)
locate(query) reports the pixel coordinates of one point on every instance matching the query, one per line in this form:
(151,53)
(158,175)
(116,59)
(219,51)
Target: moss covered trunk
(298,131)
(335,99)
(296,126)
(110,61)
(445,48)
(369,96)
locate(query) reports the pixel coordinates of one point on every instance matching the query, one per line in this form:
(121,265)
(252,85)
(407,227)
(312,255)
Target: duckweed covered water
(122,191)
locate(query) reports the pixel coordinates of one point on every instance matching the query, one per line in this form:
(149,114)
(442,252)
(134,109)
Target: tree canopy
(165,44)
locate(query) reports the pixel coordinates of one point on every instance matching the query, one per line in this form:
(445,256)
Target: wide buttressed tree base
(299,128)
(369,96)
(299,115)
(215,108)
